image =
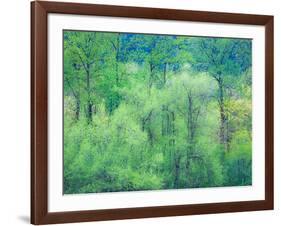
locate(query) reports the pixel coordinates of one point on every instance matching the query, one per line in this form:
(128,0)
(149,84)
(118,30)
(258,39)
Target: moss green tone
(147,112)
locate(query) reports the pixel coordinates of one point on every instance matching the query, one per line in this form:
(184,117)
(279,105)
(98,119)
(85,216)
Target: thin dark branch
(71,88)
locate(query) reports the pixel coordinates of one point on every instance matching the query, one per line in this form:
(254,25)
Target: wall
(14,120)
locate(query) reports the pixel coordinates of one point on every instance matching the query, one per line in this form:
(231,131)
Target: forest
(152,112)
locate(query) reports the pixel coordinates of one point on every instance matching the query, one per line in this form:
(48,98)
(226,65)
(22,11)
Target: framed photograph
(147,112)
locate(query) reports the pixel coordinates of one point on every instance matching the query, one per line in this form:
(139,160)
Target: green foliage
(144,112)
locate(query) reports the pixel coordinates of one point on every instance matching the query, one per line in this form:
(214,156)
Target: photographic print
(152,112)
(149,112)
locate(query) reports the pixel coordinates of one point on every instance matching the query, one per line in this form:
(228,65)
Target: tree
(221,58)
(72,78)
(191,93)
(89,51)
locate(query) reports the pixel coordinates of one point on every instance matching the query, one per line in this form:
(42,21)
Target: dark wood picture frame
(39,112)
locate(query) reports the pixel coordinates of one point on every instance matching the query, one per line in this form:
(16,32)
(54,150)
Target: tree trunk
(224,135)
(77,109)
(172,128)
(142,124)
(177,171)
(146,125)
(149,130)
(89,101)
(191,124)
(90,111)
(77,100)
(192,118)
(163,128)
(165,74)
(165,120)
(117,59)
(150,81)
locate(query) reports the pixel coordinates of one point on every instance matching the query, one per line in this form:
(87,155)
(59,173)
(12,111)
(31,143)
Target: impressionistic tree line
(145,112)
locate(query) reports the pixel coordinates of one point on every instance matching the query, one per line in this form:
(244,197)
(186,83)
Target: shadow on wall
(24,219)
